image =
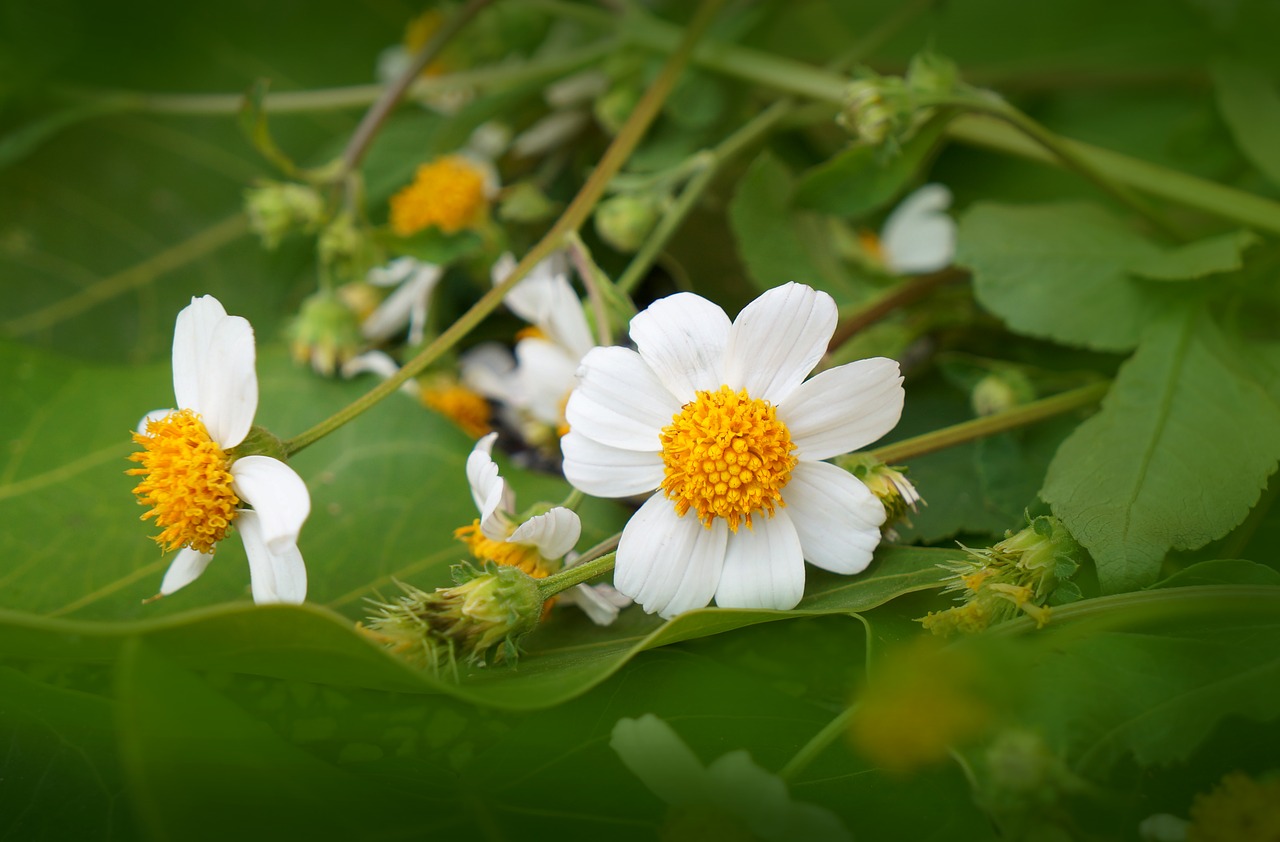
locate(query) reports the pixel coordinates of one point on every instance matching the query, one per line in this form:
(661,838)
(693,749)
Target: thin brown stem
(903,295)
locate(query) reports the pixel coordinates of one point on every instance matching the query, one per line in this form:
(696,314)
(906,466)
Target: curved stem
(1019,416)
(378,113)
(579,209)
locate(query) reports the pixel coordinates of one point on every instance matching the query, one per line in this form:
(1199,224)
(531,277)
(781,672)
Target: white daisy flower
(196,486)
(717,418)
(918,236)
(733,793)
(414,281)
(547,364)
(538,545)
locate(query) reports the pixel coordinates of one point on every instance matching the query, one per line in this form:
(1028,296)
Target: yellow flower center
(186,482)
(727,456)
(470,411)
(447,193)
(524,556)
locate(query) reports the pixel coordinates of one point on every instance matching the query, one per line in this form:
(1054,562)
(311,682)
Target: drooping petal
(380,364)
(666,563)
(763,566)
(777,340)
(759,799)
(407,305)
(837,518)
(548,133)
(185,568)
(277,494)
(553,533)
(545,298)
(274,576)
(683,338)
(393,274)
(493,499)
(604,471)
(547,374)
(601,603)
(919,236)
(844,409)
(660,759)
(619,401)
(489,369)
(213,369)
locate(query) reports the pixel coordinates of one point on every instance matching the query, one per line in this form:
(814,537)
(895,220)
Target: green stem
(364,134)
(579,209)
(584,572)
(818,744)
(1019,416)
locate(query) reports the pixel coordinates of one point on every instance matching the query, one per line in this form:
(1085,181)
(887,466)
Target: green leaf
(1250,105)
(1180,451)
(1058,271)
(434,246)
(777,246)
(1228,571)
(21,142)
(861,179)
(1210,256)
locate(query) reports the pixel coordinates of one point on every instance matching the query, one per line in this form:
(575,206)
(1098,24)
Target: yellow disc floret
(509,554)
(727,456)
(448,193)
(186,482)
(468,410)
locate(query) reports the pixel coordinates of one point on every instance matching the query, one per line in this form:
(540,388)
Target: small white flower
(536,545)
(196,486)
(547,365)
(414,281)
(718,419)
(732,790)
(919,237)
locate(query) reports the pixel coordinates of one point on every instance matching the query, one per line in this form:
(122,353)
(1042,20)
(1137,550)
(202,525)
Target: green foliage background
(202,716)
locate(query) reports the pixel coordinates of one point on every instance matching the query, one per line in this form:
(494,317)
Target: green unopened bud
(346,250)
(625,221)
(866,114)
(479,620)
(612,110)
(276,209)
(524,202)
(325,333)
(1001,390)
(1045,547)
(932,75)
(888,484)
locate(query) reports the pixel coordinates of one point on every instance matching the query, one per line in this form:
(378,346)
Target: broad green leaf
(777,246)
(861,179)
(1210,256)
(1183,445)
(1229,571)
(1250,105)
(1058,271)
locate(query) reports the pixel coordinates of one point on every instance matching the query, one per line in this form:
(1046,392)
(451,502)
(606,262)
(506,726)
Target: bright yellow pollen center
(470,411)
(447,193)
(186,482)
(524,556)
(727,456)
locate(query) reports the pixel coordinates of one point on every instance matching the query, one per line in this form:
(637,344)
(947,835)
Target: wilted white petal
(407,305)
(763,566)
(919,236)
(489,140)
(489,369)
(837,518)
(601,603)
(553,533)
(381,364)
(185,568)
(278,496)
(660,759)
(393,273)
(548,133)
(843,409)
(777,340)
(683,338)
(489,490)
(274,575)
(580,88)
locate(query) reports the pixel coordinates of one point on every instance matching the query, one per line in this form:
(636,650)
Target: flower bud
(276,209)
(625,220)
(612,110)
(480,620)
(1001,390)
(345,249)
(524,202)
(325,333)
(889,485)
